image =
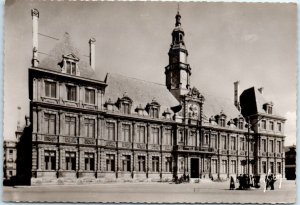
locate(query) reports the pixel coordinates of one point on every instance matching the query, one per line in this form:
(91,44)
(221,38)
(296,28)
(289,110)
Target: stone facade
(85,130)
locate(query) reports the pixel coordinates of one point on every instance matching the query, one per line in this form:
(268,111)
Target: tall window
(271,125)
(155,135)
(70,161)
(232,143)
(214,166)
(89,96)
(264,124)
(168,164)
(141,163)
(110,162)
(192,139)
(264,145)
(168,136)
(50,160)
(89,161)
(71,93)
(89,126)
(278,147)
(155,164)
(242,143)
(140,134)
(213,141)
(126,132)
(279,167)
(70,125)
(279,126)
(206,139)
(223,142)
(50,89)
(126,163)
(264,167)
(50,124)
(271,146)
(269,109)
(71,67)
(233,167)
(110,126)
(224,166)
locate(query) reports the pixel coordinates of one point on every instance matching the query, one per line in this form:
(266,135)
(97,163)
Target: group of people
(270,180)
(246,181)
(183,178)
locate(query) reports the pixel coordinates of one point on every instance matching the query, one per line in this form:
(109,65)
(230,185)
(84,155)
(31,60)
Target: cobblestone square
(206,192)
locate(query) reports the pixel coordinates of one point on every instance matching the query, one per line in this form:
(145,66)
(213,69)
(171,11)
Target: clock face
(193,111)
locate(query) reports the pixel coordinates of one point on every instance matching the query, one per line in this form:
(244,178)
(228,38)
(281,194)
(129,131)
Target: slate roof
(65,46)
(252,102)
(140,91)
(214,105)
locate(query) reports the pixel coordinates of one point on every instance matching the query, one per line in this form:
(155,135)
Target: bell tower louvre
(178,71)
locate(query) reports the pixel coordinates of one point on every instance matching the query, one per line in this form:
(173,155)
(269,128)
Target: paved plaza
(206,192)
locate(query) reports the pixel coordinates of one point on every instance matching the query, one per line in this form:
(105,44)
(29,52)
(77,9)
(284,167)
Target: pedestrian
(232,185)
(272,181)
(267,182)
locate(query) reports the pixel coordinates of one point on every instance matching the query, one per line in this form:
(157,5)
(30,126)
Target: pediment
(71,56)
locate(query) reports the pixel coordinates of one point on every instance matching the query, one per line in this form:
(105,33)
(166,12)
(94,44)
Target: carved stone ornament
(35,12)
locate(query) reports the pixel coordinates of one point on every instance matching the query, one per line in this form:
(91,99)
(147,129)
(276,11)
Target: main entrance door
(194,168)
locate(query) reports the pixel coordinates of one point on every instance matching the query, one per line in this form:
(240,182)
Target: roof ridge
(136,79)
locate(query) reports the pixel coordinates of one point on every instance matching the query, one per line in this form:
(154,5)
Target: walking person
(232,185)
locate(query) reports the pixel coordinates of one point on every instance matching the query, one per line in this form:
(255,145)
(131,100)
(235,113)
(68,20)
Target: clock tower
(178,71)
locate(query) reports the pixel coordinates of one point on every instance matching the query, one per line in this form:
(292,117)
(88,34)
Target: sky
(254,43)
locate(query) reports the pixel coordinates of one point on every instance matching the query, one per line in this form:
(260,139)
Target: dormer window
(124,104)
(268,107)
(70,64)
(71,67)
(89,96)
(153,109)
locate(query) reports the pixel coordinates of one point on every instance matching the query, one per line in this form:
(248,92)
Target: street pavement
(205,192)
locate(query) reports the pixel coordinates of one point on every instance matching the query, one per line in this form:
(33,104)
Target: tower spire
(178,17)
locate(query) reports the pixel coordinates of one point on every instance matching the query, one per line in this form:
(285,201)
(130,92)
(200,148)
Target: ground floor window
(89,161)
(110,162)
(224,166)
(278,167)
(214,166)
(70,161)
(155,164)
(264,167)
(272,167)
(126,163)
(50,160)
(233,167)
(141,163)
(168,164)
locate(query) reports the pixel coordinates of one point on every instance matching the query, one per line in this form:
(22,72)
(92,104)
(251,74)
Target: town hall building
(87,130)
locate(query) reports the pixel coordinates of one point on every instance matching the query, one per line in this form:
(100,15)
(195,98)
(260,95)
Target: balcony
(126,145)
(109,144)
(270,154)
(166,147)
(242,153)
(68,140)
(139,146)
(153,147)
(87,141)
(263,154)
(47,138)
(232,152)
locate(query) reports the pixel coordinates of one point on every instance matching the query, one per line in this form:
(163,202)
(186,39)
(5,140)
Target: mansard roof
(65,47)
(140,91)
(252,102)
(215,105)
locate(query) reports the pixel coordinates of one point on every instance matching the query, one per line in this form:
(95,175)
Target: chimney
(236,94)
(92,42)
(35,28)
(261,90)
(19,116)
